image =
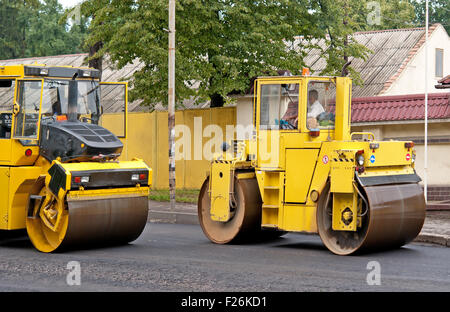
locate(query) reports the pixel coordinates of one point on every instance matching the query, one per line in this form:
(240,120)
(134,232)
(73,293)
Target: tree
(221,44)
(439,11)
(392,14)
(14,16)
(47,36)
(32,28)
(88,9)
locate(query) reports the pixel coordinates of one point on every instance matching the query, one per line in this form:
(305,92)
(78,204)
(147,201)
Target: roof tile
(400,108)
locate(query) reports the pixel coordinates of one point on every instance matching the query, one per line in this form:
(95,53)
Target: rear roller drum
(246,217)
(391,216)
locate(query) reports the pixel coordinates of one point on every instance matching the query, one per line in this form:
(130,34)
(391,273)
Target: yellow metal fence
(148,139)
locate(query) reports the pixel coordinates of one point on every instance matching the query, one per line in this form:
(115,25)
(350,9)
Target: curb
(173,217)
(433,239)
(192,219)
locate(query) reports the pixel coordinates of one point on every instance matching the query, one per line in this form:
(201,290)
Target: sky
(69,3)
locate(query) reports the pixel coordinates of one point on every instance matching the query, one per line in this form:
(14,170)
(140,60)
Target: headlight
(360,159)
(135,177)
(79,180)
(139,177)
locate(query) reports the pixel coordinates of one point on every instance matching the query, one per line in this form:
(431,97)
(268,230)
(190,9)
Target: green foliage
(394,14)
(358,16)
(439,11)
(32,28)
(221,44)
(182,195)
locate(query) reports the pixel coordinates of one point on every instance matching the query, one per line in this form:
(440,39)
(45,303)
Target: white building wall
(412,79)
(438,154)
(244,117)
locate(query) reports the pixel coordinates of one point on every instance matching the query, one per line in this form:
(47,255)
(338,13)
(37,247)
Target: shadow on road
(387,252)
(304,245)
(20,240)
(258,241)
(15,239)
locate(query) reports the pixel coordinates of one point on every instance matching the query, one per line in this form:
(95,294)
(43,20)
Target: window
(6,103)
(29,100)
(55,99)
(279,107)
(439,62)
(321,105)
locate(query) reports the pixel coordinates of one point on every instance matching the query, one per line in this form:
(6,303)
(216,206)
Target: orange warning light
(306,71)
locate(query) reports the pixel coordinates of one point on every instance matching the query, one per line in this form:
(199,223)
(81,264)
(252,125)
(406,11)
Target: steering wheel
(289,125)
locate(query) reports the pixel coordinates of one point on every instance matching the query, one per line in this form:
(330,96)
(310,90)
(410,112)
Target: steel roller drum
(397,214)
(107,220)
(395,217)
(246,222)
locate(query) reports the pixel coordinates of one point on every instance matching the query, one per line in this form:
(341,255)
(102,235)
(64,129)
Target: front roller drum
(393,218)
(99,220)
(246,221)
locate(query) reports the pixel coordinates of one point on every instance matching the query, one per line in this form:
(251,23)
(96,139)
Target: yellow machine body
(220,192)
(298,169)
(29,198)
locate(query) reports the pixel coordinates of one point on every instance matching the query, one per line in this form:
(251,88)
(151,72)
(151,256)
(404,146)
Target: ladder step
(270,206)
(271,226)
(271,188)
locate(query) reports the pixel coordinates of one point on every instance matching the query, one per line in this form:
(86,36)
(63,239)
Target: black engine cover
(77,141)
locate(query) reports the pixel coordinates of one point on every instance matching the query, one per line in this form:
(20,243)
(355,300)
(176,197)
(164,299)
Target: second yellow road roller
(302,170)
(60,173)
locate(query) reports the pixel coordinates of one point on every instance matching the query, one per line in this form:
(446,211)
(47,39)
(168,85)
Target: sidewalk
(183,213)
(436,229)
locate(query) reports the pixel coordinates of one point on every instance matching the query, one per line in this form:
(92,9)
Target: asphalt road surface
(179,258)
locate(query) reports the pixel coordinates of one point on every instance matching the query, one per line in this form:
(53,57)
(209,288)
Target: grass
(182,196)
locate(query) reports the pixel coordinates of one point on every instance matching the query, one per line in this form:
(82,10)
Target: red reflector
(142,176)
(314,133)
(28,152)
(77,179)
(360,169)
(409,144)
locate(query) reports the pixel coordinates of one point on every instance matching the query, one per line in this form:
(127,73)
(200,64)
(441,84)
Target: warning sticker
(325,159)
(372,159)
(408,157)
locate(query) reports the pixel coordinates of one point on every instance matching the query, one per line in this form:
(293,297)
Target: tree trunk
(217,100)
(96,63)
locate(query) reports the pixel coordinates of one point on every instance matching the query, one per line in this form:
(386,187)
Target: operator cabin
(320,109)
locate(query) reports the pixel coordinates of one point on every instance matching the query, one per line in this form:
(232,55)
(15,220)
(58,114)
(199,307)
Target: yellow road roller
(60,174)
(302,170)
